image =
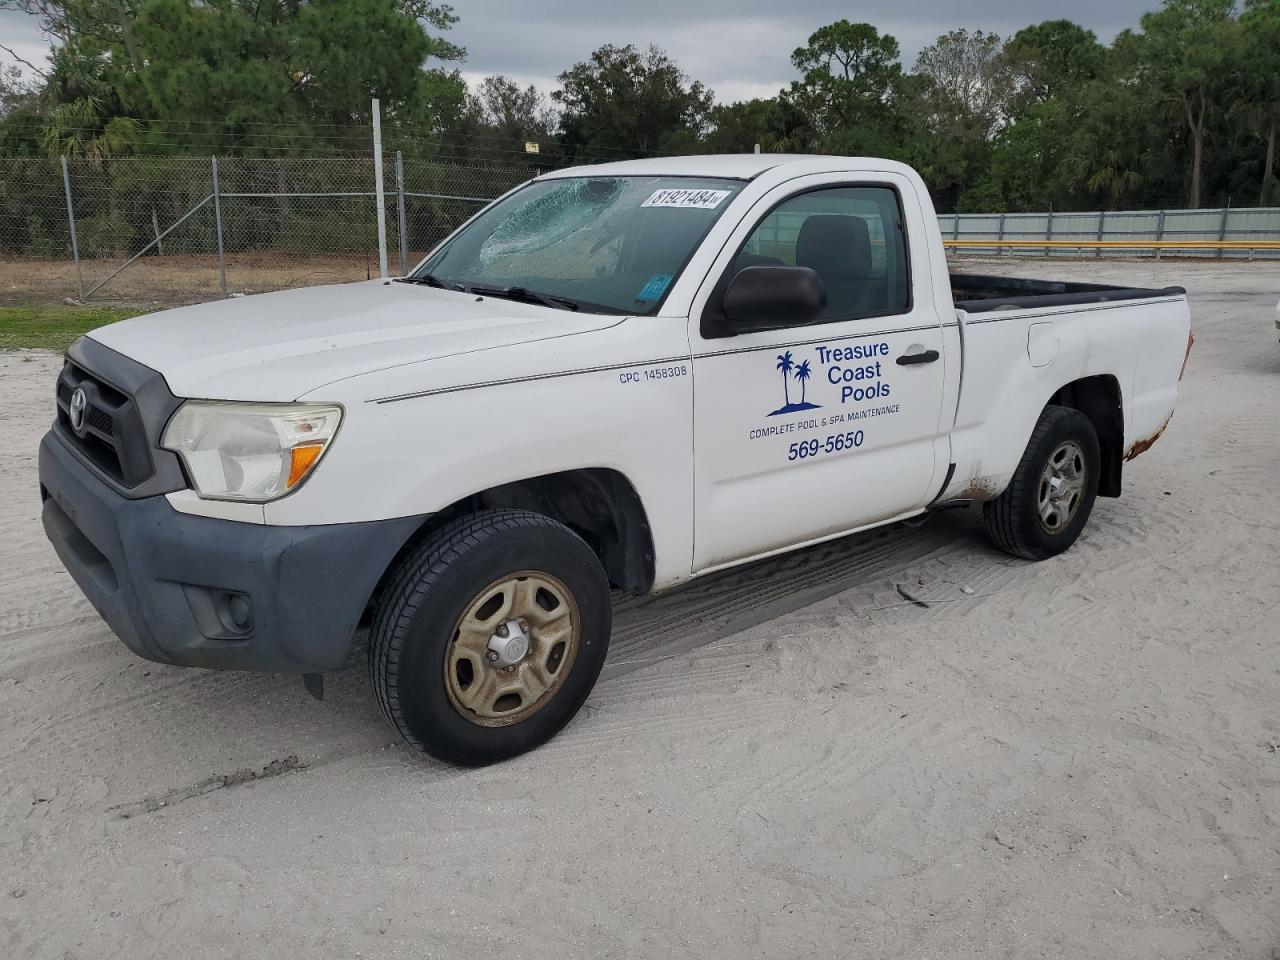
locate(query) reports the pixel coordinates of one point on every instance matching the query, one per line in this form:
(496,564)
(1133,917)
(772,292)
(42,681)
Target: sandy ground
(1076,760)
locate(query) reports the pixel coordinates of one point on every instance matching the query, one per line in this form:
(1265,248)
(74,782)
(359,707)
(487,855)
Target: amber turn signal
(301,459)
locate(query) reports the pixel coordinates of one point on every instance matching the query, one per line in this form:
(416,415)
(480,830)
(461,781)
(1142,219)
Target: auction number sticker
(687,199)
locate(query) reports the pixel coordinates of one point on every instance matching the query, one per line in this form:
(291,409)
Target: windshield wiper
(427,280)
(525,294)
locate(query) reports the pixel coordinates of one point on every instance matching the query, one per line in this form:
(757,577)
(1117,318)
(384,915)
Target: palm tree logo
(785,364)
(803,372)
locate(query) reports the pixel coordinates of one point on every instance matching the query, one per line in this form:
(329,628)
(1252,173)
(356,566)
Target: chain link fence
(168,230)
(177,230)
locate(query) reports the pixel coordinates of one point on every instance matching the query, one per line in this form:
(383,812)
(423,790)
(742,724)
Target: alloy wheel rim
(1061,488)
(512,648)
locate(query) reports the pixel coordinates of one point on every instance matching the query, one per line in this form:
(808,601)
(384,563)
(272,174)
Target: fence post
(379,190)
(1102,229)
(955,230)
(71,220)
(1159,232)
(1222,227)
(1048,231)
(1000,237)
(155,230)
(217,220)
(404,239)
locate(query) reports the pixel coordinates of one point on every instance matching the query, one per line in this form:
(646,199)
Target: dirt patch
(276,768)
(177,279)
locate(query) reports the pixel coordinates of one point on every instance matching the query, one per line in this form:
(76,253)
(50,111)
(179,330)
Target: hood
(279,346)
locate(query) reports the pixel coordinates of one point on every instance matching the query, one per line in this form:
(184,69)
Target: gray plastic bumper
(202,592)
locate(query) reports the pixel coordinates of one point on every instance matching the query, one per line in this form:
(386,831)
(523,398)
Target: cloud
(739,48)
(21,33)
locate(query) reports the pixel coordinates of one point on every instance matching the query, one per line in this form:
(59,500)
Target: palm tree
(82,115)
(785,364)
(1104,173)
(802,374)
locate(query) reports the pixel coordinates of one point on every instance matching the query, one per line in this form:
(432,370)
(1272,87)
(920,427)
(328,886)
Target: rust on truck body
(981,489)
(1139,447)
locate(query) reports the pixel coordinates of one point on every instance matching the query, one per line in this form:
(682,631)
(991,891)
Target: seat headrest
(836,247)
(744,260)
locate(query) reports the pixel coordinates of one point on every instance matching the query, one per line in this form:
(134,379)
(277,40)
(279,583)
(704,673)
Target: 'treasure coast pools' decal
(858,370)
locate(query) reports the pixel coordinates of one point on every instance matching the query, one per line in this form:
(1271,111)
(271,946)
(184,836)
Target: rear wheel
(490,636)
(1049,500)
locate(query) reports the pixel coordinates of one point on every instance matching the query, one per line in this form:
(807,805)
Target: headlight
(249,451)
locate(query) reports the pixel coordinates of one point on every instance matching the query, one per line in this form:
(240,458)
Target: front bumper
(202,592)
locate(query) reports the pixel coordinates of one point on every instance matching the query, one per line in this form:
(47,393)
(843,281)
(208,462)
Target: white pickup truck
(627,375)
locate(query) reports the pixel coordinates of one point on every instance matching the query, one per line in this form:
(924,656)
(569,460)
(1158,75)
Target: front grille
(111,435)
(101,422)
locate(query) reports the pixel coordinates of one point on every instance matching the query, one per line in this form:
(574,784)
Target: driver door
(808,431)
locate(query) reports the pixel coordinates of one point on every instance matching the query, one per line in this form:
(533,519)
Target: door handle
(928,356)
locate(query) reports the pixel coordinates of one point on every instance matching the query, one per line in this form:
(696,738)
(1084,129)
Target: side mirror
(765,298)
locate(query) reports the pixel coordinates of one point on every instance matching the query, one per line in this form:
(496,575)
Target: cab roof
(734,166)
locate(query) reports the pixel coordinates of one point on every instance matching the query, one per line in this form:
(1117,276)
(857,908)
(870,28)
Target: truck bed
(978,293)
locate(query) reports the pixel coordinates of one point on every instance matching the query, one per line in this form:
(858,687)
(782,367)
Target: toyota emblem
(79,403)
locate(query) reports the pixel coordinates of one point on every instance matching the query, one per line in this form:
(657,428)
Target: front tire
(490,636)
(1049,500)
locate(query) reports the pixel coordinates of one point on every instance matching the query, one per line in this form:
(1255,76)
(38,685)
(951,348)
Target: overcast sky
(739,48)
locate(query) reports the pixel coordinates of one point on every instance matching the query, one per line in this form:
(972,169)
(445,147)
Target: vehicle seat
(838,249)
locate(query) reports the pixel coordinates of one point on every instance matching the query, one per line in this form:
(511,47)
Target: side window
(852,237)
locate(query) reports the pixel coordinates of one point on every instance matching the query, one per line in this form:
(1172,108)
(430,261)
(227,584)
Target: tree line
(1183,109)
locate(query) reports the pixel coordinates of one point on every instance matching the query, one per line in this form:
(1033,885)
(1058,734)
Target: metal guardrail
(1120,244)
(1221,232)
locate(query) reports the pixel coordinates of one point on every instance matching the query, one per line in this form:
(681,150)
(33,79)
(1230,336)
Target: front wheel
(1049,500)
(490,636)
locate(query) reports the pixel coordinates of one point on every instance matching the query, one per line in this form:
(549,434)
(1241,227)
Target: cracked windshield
(602,244)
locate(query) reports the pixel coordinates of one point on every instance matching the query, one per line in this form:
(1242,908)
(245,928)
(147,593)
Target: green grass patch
(53,328)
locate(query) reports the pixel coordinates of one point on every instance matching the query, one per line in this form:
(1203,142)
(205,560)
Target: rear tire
(1049,500)
(489,636)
